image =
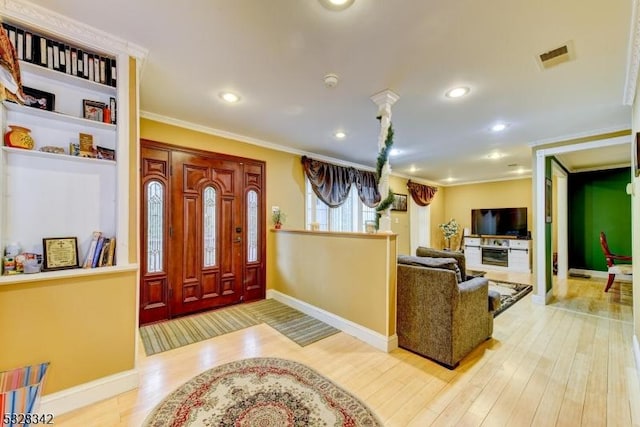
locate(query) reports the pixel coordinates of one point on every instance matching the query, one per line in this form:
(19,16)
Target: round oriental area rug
(262,392)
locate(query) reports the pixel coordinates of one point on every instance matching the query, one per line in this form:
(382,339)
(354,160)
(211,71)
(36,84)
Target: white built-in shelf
(54,156)
(59,117)
(67,79)
(64,274)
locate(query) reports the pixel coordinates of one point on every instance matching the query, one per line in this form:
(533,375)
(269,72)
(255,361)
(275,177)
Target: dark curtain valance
(332,183)
(421,194)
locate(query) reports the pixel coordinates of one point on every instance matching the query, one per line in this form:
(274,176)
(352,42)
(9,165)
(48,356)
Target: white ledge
(64,274)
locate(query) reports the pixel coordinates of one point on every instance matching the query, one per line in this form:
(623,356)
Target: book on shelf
(111,256)
(98,251)
(104,253)
(88,259)
(59,56)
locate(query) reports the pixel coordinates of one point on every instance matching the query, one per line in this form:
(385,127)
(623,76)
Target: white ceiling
(275,53)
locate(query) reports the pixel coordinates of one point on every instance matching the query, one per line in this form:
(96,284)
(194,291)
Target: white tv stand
(498,253)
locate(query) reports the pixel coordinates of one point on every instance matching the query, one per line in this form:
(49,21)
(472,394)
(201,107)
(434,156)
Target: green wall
(598,202)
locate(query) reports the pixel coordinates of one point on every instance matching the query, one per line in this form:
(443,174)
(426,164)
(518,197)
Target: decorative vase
(19,137)
(278,225)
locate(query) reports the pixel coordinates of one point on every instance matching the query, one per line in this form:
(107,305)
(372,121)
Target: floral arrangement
(449,229)
(278,217)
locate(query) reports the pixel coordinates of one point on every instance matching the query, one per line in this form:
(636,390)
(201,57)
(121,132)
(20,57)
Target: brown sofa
(437,316)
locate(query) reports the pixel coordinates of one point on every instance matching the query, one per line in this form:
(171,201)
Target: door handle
(237,240)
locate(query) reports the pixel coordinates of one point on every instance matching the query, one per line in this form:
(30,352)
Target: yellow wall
(460,199)
(351,275)
(84,326)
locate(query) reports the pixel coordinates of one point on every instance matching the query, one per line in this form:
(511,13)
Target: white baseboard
(602,274)
(537,299)
(372,338)
(636,353)
(88,393)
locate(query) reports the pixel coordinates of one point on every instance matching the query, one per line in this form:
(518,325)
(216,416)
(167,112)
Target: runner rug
(510,293)
(295,325)
(261,392)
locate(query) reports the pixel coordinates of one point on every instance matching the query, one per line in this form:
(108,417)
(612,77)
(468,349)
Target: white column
(384,100)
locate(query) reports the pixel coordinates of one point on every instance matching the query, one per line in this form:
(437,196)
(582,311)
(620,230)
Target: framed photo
(60,253)
(93,110)
(399,202)
(106,153)
(636,163)
(39,99)
(548,189)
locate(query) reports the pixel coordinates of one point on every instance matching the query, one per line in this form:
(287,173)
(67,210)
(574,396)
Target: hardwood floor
(544,366)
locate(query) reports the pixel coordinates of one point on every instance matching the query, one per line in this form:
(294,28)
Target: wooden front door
(214,234)
(207,233)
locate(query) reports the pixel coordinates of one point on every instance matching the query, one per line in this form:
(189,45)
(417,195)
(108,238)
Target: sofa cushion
(423,261)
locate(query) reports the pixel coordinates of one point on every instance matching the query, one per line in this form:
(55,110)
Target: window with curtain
(350,216)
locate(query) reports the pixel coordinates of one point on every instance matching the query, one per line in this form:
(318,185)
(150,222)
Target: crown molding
(52,22)
(247,139)
(633,56)
(596,134)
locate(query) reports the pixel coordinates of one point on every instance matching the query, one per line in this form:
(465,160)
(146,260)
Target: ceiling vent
(557,56)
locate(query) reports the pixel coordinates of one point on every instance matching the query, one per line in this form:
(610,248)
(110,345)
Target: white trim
(599,168)
(539,239)
(65,27)
(510,178)
(561,218)
(88,393)
(636,353)
(586,134)
(266,144)
(599,143)
(633,56)
(372,338)
(546,299)
(601,274)
(246,139)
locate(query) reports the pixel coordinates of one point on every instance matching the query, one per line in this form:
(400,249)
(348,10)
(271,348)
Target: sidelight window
(155,226)
(209,226)
(252,226)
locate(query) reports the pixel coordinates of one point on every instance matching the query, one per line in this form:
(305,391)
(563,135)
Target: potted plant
(449,229)
(278,217)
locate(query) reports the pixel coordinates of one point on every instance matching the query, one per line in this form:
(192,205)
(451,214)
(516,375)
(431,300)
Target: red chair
(611,259)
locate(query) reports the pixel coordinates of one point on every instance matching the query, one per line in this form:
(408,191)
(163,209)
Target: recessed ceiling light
(457,92)
(229,97)
(494,156)
(340,135)
(336,4)
(499,127)
(413,169)
(394,152)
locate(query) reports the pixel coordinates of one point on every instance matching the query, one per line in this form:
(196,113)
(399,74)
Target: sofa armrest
(475,284)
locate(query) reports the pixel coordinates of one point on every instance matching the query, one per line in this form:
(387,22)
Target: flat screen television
(499,222)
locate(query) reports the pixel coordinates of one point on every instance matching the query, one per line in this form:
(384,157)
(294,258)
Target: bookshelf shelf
(55,157)
(67,79)
(58,117)
(64,274)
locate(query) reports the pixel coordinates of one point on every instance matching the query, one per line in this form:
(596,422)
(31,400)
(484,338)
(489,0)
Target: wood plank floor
(544,366)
